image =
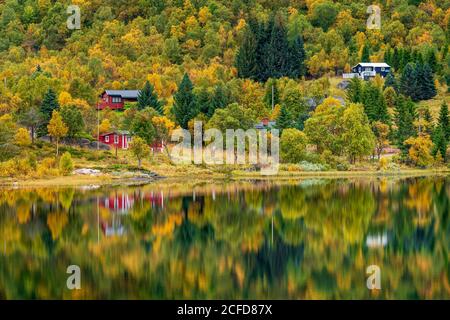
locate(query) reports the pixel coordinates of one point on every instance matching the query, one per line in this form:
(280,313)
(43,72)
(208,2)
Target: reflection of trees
(289,241)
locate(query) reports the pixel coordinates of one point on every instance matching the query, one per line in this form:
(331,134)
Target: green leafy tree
(142,125)
(292,145)
(139,148)
(324,15)
(358,138)
(232,117)
(73,119)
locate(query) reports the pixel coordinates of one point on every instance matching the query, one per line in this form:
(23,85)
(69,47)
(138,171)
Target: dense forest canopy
(121,44)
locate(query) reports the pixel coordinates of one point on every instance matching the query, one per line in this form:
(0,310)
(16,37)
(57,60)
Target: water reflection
(310,239)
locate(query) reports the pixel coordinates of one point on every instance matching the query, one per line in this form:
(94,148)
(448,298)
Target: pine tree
(391,82)
(296,58)
(374,104)
(432,60)
(246,62)
(365,54)
(355,90)
(429,119)
(277,61)
(406,57)
(263,34)
(404,119)
(396,59)
(427,87)
(185,107)
(148,97)
(440,143)
(444,120)
(49,104)
(408,82)
(204,101)
(219,100)
(284,119)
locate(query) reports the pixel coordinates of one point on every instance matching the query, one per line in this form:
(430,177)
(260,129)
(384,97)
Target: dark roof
(126,94)
(119,132)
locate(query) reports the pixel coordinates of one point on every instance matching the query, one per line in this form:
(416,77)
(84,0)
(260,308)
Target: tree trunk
(57,147)
(139,163)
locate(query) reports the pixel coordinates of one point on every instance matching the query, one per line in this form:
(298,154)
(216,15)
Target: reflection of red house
(115,99)
(119,139)
(123,202)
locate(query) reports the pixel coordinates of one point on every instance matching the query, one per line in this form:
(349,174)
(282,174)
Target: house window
(383,69)
(116,139)
(116,99)
(106,138)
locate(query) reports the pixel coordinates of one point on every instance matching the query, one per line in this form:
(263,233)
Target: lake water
(303,239)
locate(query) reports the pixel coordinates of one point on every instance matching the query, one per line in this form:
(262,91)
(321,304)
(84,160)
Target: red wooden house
(118,139)
(115,99)
(122,139)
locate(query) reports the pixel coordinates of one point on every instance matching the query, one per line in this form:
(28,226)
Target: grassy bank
(205,174)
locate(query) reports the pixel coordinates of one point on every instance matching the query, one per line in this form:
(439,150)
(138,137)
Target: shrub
(65,164)
(47,167)
(308,166)
(383,164)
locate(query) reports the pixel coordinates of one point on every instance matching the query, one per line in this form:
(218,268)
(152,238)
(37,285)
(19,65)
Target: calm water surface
(309,239)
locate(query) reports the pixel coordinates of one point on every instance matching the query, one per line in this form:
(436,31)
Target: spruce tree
(425,80)
(440,143)
(432,60)
(444,120)
(396,59)
(374,103)
(284,119)
(365,54)
(49,104)
(204,101)
(296,58)
(429,119)
(404,119)
(219,100)
(246,62)
(355,90)
(263,34)
(408,81)
(278,61)
(148,97)
(185,107)
(391,82)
